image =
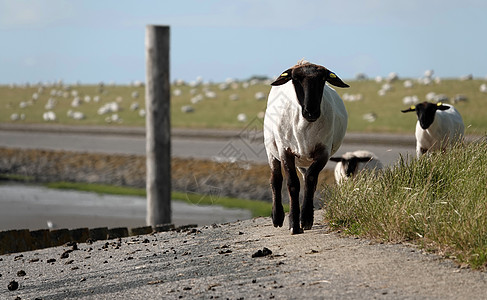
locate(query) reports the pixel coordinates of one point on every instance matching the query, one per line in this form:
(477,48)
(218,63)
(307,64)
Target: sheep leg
(293,187)
(311,180)
(276,186)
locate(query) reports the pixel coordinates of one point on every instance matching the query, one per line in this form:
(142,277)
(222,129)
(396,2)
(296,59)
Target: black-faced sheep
(438,125)
(351,163)
(304,125)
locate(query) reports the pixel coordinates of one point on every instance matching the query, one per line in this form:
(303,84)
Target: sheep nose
(310,117)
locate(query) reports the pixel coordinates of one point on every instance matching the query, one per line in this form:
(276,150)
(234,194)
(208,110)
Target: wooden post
(158,126)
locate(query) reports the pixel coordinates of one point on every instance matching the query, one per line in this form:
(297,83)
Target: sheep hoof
(307,224)
(296,231)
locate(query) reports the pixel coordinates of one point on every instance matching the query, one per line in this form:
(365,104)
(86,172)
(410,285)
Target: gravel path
(216,262)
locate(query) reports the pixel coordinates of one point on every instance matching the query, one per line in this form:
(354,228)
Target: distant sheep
(49,116)
(242,117)
(304,124)
(351,163)
(259,96)
(438,125)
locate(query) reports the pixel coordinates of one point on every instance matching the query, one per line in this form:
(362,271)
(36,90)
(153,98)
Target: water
(32,207)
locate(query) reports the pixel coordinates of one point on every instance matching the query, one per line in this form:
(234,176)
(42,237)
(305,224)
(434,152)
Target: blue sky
(93,41)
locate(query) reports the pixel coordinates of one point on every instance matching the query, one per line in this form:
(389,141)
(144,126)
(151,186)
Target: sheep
(242,117)
(16,117)
(187,109)
(304,124)
(76,115)
(351,163)
(438,125)
(259,96)
(49,116)
(410,100)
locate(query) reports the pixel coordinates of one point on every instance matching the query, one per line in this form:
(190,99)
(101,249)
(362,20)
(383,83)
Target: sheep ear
(283,78)
(412,108)
(333,79)
(440,106)
(336,159)
(364,159)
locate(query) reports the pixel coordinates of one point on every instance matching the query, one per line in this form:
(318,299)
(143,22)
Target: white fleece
(447,128)
(285,128)
(372,165)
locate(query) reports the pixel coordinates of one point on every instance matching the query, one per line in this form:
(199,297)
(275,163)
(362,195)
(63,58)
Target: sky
(92,41)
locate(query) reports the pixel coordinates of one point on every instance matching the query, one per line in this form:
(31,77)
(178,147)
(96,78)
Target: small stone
(66,254)
(13,285)
(21,273)
(260,253)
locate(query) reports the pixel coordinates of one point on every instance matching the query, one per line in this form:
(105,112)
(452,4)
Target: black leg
(293,187)
(276,186)
(311,179)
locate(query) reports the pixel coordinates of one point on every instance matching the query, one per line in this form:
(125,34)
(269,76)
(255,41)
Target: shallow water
(32,207)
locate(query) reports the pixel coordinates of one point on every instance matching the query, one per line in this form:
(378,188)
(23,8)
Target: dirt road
(216,262)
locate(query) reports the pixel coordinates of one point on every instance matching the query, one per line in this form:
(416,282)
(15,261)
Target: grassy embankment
(437,202)
(220,112)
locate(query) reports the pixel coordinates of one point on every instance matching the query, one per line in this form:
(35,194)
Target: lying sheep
(304,125)
(351,163)
(438,125)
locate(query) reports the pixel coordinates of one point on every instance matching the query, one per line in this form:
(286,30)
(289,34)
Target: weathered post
(158,133)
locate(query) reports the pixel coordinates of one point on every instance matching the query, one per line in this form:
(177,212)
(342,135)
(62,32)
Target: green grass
(220,112)
(437,202)
(256,207)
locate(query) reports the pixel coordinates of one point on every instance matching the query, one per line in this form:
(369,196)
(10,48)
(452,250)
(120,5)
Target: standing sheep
(304,125)
(438,125)
(350,163)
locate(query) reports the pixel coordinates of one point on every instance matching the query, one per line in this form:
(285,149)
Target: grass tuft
(437,202)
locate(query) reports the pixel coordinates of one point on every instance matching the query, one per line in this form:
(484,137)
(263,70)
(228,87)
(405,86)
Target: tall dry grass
(438,201)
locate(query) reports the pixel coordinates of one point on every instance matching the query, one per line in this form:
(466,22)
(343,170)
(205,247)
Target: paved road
(216,262)
(201,144)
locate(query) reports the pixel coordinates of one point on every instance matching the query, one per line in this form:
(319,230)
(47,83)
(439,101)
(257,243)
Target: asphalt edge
(21,240)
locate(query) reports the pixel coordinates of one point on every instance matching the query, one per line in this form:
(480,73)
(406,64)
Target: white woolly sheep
(49,116)
(369,117)
(76,115)
(259,96)
(304,125)
(134,106)
(438,125)
(16,117)
(187,109)
(351,163)
(410,100)
(241,117)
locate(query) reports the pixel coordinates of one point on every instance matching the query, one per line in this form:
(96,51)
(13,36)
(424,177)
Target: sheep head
(426,112)
(309,81)
(350,164)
